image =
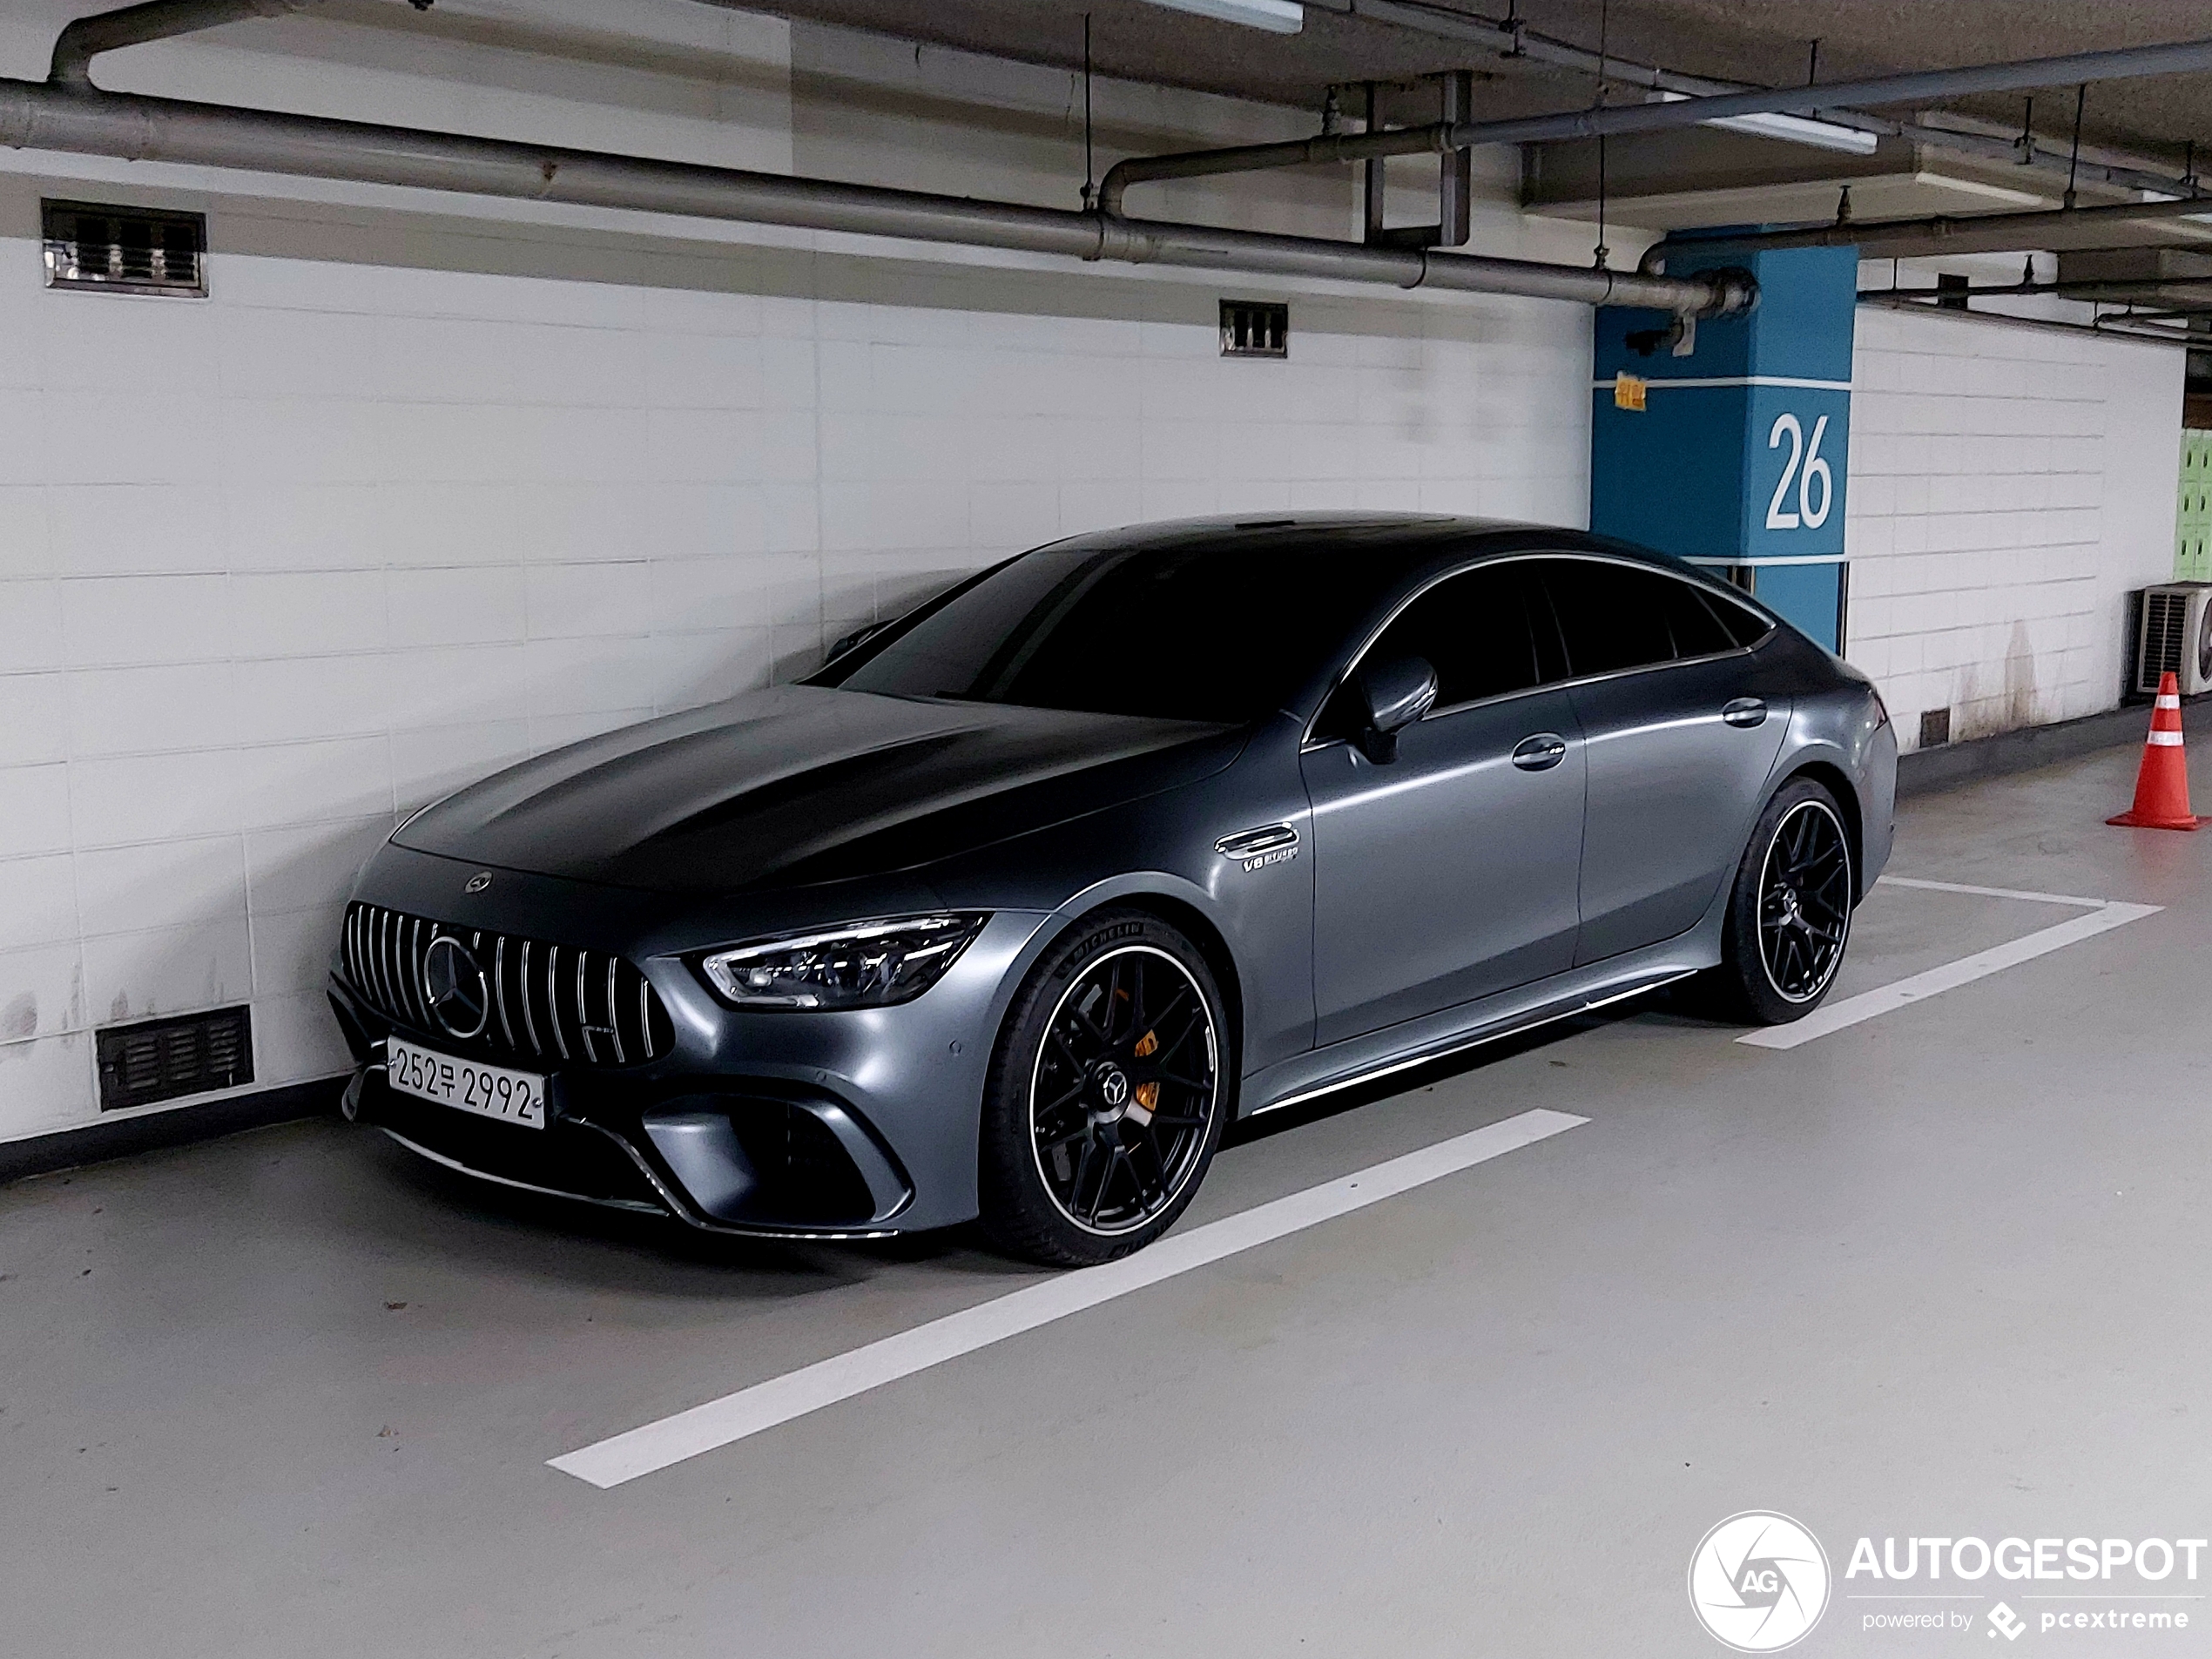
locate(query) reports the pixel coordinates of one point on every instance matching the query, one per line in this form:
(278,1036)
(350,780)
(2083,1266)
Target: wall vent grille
(157,1060)
(1253,328)
(125,250)
(1935,728)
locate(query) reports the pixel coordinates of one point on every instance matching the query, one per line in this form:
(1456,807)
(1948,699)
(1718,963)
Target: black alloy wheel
(1106,1099)
(1789,913)
(1804,901)
(1123,1089)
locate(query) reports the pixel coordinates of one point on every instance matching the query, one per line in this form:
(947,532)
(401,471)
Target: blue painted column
(1736,459)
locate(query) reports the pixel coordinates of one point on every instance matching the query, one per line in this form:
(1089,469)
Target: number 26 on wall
(1804,465)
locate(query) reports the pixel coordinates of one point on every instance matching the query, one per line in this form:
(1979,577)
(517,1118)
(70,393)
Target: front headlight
(862,965)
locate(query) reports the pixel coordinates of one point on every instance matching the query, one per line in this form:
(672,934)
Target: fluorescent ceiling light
(1795,129)
(1277,17)
(1798,129)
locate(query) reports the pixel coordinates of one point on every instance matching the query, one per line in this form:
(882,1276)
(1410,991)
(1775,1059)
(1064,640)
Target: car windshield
(1214,631)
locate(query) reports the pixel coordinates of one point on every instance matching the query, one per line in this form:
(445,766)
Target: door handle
(1541,752)
(1744,711)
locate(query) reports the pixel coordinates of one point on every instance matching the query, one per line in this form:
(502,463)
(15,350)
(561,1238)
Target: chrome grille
(549,1003)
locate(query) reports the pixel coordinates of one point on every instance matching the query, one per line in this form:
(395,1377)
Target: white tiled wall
(2009,487)
(414,495)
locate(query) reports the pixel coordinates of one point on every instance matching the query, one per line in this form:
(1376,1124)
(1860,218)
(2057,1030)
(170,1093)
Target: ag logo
(1759,1582)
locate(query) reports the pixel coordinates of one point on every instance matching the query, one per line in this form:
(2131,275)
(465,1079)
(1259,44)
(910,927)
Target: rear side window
(1745,626)
(1619,617)
(1697,630)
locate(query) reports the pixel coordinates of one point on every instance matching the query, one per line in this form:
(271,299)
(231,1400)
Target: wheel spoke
(1115,1159)
(1067,1053)
(1191,1027)
(1166,1077)
(1050,1106)
(1096,1032)
(1082,1168)
(1155,1192)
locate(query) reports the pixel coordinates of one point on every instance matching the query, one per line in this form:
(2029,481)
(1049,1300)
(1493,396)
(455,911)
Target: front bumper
(581,1158)
(830,1125)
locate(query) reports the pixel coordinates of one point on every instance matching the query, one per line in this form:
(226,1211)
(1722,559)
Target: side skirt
(1416,1043)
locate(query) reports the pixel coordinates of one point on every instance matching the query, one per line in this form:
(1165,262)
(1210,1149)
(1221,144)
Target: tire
(1107,1091)
(1789,913)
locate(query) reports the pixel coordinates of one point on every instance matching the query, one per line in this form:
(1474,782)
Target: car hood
(807,783)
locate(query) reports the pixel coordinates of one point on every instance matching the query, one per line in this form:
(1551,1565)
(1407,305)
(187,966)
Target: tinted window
(1745,626)
(1185,632)
(1697,630)
(1472,629)
(1616,617)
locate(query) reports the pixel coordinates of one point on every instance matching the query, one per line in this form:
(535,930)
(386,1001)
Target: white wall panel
(2009,487)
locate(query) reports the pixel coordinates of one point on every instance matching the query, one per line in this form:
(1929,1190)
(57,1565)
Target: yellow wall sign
(1628,393)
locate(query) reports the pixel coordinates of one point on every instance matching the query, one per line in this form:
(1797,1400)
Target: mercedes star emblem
(454,988)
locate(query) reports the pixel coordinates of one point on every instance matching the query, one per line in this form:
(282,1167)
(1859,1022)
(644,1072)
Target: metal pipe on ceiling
(2122,323)
(80,41)
(2132,62)
(81,121)
(2036,230)
(2121,290)
(2183,57)
(1432,138)
(1515,39)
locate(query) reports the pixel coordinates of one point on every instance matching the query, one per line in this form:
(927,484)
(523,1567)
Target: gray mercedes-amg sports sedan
(1012,907)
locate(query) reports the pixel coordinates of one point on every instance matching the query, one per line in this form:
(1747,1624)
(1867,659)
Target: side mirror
(1392,696)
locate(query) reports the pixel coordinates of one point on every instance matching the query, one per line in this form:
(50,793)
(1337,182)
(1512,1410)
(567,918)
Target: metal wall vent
(162,1059)
(125,250)
(1935,728)
(2165,637)
(1253,328)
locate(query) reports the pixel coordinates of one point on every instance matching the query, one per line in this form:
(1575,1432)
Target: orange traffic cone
(2162,786)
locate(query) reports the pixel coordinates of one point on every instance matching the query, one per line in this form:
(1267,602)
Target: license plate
(488,1091)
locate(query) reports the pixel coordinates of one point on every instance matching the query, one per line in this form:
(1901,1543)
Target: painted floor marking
(1988,893)
(2104,914)
(719,1422)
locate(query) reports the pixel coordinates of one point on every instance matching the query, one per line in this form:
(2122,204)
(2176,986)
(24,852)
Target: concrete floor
(1941,1273)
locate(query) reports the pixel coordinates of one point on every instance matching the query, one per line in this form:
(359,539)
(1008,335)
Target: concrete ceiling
(1760,40)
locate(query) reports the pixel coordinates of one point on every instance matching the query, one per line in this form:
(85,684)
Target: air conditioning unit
(2176,638)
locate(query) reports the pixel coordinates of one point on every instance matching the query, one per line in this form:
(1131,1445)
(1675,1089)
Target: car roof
(1413,542)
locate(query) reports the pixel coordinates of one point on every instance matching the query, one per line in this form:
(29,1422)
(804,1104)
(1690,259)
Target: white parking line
(2104,915)
(1926,886)
(719,1422)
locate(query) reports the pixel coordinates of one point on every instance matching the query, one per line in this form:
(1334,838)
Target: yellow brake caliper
(1146,1098)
